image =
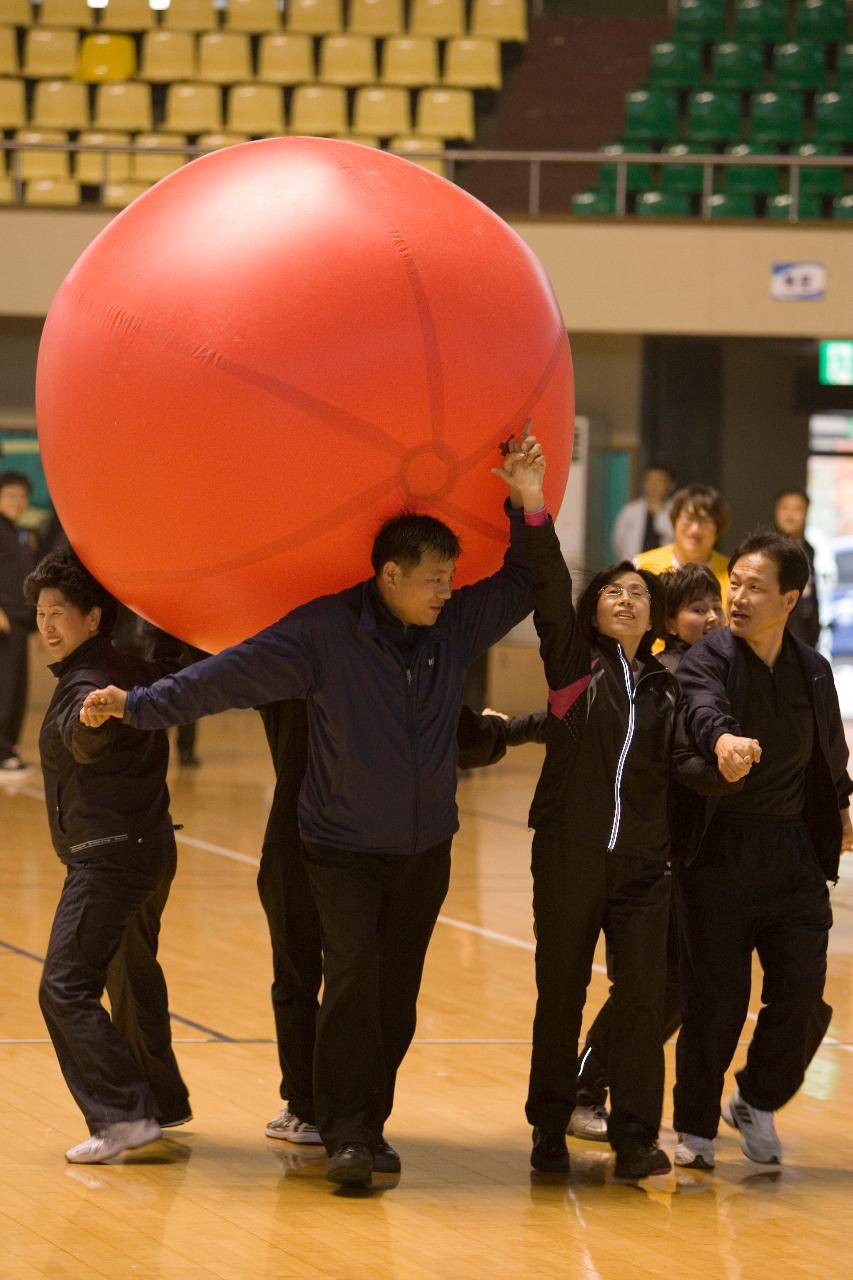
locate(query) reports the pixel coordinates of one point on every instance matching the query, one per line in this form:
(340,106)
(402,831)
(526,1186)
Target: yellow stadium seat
(60,104)
(40,164)
(193,108)
(128,15)
(117,195)
(17,12)
(7,190)
(96,167)
(50,52)
(472,63)
(286,58)
(319,110)
(440,18)
(410,147)
(52,191)
(410,60)
(191,15)
(500,19)
(376,17)
(315,17)
(123,106)
(9,53)
(13,106)
(445,113)
(383,110)
(215,141)
(256,109)
(364,139)
(167,56)
(104,56)
(252,15)
(348,60)
(61,13)
(224,57)
(155,161)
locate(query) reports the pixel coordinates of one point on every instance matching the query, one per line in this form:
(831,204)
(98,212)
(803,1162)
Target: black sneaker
(550,1153)
(385,1158)
(641,1160)
(351,1165)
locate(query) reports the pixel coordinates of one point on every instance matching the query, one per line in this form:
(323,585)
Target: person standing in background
(17,618)
(700,517)
(644,524)
(789,516)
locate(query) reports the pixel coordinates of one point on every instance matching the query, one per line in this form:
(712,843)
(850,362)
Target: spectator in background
(17,618)
(644,524)
(789,517)
(700,517)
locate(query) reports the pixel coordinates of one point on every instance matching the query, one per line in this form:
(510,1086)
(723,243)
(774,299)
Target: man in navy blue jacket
(756,863)
(382,667)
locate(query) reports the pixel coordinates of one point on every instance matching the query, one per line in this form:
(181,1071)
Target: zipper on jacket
(620,768)
(411,719)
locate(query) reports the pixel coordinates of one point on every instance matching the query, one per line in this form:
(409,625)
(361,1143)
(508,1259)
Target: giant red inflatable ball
(271,351)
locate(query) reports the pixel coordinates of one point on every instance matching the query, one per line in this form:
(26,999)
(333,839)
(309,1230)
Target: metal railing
(452,158)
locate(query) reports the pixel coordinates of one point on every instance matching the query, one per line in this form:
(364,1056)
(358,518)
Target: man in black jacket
(382,667)
(756,863)
(16,617)
(108,810)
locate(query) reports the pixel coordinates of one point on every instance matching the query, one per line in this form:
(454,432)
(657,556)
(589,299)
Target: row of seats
(219,57)
(741,179)
(715,116)
(667,204)
(254,109)
(500,19)
(771,20)
(741,64)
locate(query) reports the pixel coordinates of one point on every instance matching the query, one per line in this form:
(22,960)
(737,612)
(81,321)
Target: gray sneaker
(110,1141)
(288,1126)
(758,1137)
(589,1123)
(694,1152)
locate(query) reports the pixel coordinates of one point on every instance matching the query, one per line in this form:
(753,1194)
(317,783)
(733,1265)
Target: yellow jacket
(663,558)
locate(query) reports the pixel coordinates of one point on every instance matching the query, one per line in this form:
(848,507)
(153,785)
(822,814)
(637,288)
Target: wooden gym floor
(218,1199)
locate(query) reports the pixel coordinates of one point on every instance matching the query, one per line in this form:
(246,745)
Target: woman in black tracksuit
(615,736)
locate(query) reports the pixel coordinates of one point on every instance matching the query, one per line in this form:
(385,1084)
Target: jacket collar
(81,655)
(374,617)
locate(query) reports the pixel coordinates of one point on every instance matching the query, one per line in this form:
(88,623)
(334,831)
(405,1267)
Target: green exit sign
(836,364)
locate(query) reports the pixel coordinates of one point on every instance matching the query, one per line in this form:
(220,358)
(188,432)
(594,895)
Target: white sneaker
(589,1123)
(758,1137)
(110,1141)
(288,1126)
(694,1152)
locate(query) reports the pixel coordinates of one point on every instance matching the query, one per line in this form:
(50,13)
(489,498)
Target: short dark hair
(63,571)
(691,582)
(657,465)
(793,491)
(789,557)
(588,604)
(16,477)
(405,537)
(704,499)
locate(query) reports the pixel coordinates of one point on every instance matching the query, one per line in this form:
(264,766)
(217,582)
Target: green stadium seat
(663,204)
(701,19)
(737,64)
(799,64)
(686,179)
(845,66)
(823,181)
(713,116)
(777,117)
(779,207)
(639,176)
(833,118)
(822,20)
(751,180)
(842,207)
(761,19)
(676,64)
(731,205)
(594,204)
(651,114)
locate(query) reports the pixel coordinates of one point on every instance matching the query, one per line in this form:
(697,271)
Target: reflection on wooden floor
(217,1199)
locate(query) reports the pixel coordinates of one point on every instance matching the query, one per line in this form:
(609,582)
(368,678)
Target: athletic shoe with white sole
(589,1123)
(694,1152)
(758,1137)
(125,1135)
(288,1126)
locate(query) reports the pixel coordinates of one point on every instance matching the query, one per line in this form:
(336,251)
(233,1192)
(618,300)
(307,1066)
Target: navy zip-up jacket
(714,676)
(381,773)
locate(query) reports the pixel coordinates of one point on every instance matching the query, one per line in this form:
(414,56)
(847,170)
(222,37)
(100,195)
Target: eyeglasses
(688,518)
(615,592)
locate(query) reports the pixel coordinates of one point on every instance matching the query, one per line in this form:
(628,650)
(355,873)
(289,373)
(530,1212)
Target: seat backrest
(128,15)
(57,13)
(348,59)
(123,106)
(446,113)
(319,109)
(286,57)
(190,15)
(168,55)
(224,57)
(256,109)
(382,110)
(315,17)
(376,17)
(410,60)
(193,108)
(440,18)
(13,106)
(50,51)
(254,16)
(106,56)
(473,63)
(60,104)
(500,19)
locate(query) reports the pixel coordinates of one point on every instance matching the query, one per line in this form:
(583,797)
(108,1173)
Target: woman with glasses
(700,517)
(615,736)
